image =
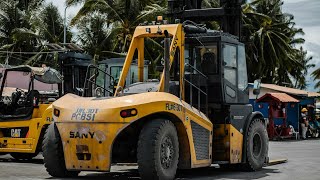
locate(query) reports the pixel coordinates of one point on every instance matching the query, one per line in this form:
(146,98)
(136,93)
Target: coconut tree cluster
(25,29)
(274,51)
(105,29)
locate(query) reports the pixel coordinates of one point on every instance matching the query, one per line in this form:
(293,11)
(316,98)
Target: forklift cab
(73,67)
(214,72)
(220,58)
(20,91)
(102,79)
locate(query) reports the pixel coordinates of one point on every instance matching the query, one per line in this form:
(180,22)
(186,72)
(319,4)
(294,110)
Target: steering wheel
(23,96)
(20,90)
(98,92)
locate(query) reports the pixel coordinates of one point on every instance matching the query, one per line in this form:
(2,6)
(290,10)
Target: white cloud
(71,11)
(306,13)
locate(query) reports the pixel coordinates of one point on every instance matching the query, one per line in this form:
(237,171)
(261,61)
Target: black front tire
(53,154)
(23,156)
(158,150)
(257,144)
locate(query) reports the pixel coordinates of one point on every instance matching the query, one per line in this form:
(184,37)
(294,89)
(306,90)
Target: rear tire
(158,150)
(53,154)
(23,156)
(257,143)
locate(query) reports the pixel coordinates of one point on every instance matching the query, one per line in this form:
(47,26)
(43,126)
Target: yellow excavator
(198,114)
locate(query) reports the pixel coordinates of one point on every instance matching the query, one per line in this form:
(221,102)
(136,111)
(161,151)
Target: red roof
(290,90)
(281,97)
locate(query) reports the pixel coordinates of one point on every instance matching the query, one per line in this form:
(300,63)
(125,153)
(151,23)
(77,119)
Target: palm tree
(94,35)
(299,74)
(271,41)
(316,75)
(17,32)
(51,25)
(122,16)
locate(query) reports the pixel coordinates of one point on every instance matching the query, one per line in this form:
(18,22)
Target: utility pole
(65,26)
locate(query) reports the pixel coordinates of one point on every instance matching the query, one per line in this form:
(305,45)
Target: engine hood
(73,108)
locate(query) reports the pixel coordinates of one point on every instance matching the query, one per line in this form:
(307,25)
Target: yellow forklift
(26,97)
(23,109)
(198,114)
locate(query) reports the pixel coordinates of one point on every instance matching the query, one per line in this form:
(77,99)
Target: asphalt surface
(303,163)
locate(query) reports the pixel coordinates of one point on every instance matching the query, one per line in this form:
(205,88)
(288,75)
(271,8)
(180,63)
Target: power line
(32,52)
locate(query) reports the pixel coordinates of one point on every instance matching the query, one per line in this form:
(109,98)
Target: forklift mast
(228,14)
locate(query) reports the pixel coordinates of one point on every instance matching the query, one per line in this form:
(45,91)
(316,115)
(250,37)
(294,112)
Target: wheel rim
(257,145)
(167,152)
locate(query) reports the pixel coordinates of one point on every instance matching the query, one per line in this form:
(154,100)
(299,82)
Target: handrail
(187,64)
(99,86)
(198,88)
(95,75)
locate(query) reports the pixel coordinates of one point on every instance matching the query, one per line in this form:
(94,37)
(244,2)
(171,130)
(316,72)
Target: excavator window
(242,69)
(230,64)
(18,95)
(209,61)
(115,72)
(203,58)
(201,61)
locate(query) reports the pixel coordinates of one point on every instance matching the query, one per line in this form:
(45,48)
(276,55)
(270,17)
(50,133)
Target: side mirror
(256,87)
(98,92)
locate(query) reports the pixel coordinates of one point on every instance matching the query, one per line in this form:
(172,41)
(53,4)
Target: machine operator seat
(15,96)
(209,63)
(26,110)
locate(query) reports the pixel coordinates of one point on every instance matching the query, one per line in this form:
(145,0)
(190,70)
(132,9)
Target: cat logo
(15,133)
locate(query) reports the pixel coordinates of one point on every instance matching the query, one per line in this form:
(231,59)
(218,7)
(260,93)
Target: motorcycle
(314,128)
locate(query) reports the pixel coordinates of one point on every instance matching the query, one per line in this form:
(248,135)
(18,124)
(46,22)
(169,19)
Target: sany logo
(81,135)
(15,133)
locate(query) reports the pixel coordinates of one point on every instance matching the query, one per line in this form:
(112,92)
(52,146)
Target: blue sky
(306,13)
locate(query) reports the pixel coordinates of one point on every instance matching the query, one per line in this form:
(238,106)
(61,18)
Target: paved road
(303,163)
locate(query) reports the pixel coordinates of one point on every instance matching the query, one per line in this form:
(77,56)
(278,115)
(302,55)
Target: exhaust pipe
(166,63)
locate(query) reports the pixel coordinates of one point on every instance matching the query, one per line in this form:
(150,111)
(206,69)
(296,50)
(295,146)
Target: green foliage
(26,26)
(17,32)
(121,16)
(51,25)
(94,35)
(271,41)
(106,29)
(316,75)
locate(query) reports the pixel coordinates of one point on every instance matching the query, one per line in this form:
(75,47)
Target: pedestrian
(304,123)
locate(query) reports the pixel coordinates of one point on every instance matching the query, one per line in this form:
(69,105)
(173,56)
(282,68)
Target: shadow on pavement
(218,173)
(12,160)
(128,174)
(201,173)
